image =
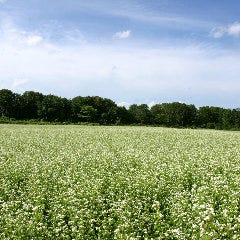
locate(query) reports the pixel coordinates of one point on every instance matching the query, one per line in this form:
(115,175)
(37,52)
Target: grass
(96,182)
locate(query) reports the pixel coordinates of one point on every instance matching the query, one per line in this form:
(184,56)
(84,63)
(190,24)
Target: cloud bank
(194,74)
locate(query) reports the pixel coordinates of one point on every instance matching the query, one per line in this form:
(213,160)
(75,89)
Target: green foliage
(140,113)
(94,109)
(54,108)
(32,103)
(7,103)
(174,114)
(95,182)
(50,108)
(87,114)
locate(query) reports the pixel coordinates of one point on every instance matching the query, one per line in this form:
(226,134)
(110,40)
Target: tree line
(94,109)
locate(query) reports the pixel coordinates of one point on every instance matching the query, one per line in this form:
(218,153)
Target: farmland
(96,182)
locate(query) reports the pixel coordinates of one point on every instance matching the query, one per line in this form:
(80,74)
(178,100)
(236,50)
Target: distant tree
(123,116)
(159,114)
(105,110)
(31,104)
(18,107)
(76,104)
(174,114)
(87,114)
(109,116)
(35,105)
(236,117)
(209,117)
(140,113)
(7,98)
(65,110)
(190,115)
(54,108)
(227,119)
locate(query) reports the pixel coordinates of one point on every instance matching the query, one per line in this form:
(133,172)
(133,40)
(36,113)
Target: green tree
(174,114)
(140,113)
(87,114)
(236,117)
(105,109)
(7,98)
(209,117)
(31,104)
(123,116)
(54,108)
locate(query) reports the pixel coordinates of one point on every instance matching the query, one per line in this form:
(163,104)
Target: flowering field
(91,182)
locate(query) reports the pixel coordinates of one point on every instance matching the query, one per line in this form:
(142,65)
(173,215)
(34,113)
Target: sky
(131,51)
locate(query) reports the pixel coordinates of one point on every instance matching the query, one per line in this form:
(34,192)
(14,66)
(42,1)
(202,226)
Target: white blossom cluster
(96,182)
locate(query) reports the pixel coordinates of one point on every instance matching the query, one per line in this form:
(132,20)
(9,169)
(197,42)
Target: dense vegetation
(103,182)
(50,108)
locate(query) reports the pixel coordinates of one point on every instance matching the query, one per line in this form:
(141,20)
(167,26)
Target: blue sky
(132,51)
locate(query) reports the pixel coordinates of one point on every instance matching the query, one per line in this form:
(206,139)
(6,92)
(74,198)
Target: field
(92,182)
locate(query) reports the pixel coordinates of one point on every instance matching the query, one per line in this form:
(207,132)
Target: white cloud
(230,30)
(10,34)
(122,73)
(218,32)
(122,34)
(33,40)
(234,29)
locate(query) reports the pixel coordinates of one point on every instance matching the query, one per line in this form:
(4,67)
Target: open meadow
(97,182)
